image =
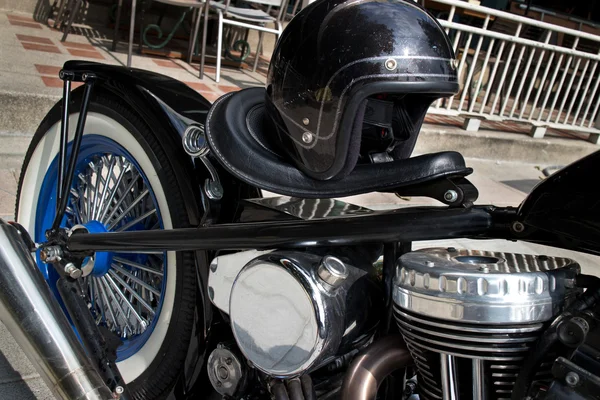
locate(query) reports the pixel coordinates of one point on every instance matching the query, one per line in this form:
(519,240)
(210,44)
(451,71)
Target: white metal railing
(516,68)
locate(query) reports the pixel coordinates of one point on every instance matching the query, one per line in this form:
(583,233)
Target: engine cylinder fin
(503,350)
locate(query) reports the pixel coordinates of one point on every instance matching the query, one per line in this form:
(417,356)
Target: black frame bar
(403,225)
(64,137)
(66,176)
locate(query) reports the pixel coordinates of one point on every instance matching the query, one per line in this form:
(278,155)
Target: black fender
(168,107)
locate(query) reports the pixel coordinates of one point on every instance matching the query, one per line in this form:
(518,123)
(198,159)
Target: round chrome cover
(273,317)
(483,287)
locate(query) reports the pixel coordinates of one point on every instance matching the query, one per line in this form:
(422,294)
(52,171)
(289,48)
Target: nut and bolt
(390,64)
(451,196)
(484,269)
(119,390)
(305,121)
(430,264)
(307,137)
(51,254)
(518,227)
(213,189)
(73,271)
(572,379)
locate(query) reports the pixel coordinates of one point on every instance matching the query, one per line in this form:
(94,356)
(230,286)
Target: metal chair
(195,5)
(240,17)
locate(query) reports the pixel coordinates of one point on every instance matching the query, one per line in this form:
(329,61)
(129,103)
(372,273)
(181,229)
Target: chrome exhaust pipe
(372,365)
(38,324)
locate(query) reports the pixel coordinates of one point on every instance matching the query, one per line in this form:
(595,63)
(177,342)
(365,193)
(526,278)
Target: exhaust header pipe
(38,324)
(372,365)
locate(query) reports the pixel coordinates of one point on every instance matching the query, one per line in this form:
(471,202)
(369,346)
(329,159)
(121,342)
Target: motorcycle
(143,266)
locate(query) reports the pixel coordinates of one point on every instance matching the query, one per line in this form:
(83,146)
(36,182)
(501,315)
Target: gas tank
(566,205)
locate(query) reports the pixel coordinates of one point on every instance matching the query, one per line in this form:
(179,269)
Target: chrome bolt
(306,121)
(451,196)
(213,190)
(430,264)
(518,227)
(307,137)
(484,269)
(72,271)
(119,390)
(572,379)
(390,64)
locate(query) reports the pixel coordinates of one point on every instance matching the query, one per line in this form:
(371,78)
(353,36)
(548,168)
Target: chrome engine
(291,312)
(470,317)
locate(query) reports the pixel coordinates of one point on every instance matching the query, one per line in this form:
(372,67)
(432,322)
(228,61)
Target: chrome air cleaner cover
(291,311)
(483,287)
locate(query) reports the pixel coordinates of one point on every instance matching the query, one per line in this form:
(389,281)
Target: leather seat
(235,129)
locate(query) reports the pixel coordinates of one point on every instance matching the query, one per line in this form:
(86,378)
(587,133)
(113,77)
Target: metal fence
(516,68)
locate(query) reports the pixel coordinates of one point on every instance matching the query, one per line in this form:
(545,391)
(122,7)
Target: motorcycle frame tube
(32,315)
(403,225)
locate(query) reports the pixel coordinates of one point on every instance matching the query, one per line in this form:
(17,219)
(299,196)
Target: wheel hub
(102,259)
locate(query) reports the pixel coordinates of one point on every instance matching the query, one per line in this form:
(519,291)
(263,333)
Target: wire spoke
(143,322)
(123,166)
(98,173)
(120,201)
(136,279)
(108,305)
(133,292)
(94,285)
(109,175)
(128,209)
(119,307)
(135,221)
(138,266)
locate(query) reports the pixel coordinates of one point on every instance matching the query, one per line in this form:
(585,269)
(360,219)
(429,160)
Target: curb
(21,113)
(502,146)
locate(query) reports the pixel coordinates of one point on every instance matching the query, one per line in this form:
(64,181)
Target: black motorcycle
(159,270)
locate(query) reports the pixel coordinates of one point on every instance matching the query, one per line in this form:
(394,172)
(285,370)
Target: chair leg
(74,13)
(61,11)
(258,48)
(131,33)
(204,35)
(117,22)
(219,44)
(194,35)
(143,7)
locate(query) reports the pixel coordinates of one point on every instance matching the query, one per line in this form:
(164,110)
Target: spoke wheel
(124,290)
(123,182)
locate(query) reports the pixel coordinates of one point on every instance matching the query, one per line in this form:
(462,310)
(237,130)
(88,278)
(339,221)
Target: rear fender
(168,107)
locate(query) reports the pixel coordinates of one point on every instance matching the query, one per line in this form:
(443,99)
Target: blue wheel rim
(143,273)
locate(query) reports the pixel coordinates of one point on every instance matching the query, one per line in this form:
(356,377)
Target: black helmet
(350,82)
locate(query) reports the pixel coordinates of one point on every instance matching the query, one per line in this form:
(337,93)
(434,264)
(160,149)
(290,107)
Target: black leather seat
(234,128)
